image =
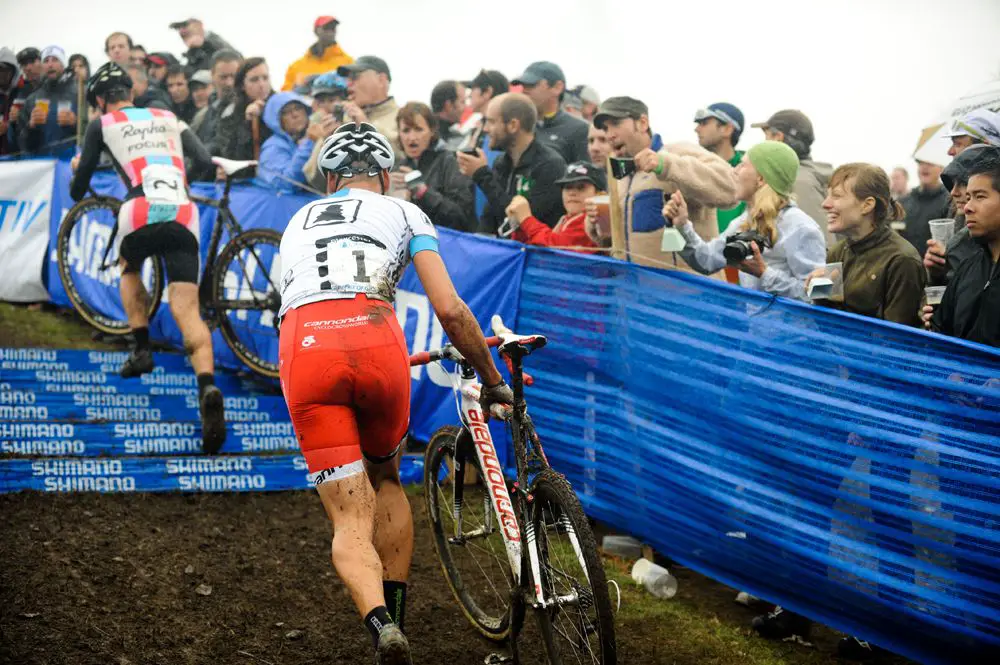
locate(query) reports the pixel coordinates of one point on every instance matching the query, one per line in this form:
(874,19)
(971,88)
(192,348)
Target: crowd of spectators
(528,157)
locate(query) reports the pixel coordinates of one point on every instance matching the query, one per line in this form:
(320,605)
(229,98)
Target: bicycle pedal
(497,659)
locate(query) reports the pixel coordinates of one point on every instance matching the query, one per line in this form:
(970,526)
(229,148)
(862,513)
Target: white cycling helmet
(353,143)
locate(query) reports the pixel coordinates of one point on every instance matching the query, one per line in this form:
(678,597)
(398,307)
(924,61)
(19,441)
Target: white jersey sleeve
(351,242)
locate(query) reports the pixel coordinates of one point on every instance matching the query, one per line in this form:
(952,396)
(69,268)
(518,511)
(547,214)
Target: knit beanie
(777,164)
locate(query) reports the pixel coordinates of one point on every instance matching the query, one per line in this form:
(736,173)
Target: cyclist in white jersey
(156,219)
(345,371)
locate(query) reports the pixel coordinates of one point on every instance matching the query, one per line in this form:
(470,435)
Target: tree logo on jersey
(327,213)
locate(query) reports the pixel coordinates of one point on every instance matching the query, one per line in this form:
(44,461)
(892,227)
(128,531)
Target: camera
(413,180)
(621,168)
(338,112)
(738,248)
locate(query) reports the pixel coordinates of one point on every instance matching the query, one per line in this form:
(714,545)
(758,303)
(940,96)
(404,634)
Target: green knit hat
(777,164)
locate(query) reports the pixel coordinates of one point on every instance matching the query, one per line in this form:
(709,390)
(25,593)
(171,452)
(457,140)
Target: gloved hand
(496,400)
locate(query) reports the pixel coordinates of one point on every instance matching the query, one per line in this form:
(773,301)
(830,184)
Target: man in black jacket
(930,200)
(528,167)
(201,45)
(545,84)
(971,305)
(146,96)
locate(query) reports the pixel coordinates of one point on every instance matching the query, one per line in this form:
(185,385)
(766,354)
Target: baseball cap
(365,63)
(619,107)
(201,77)
(28,55)
(323,20)
(724,113)
(792,123)
(587,94)
(540,71)
(55,52)
(328,84)
(161,59)
(585,172)
(177,25)
(489,78)
(981,124)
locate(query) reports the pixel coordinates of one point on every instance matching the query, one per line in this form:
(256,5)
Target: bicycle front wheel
(92,289)
(577,625)
(466,536)
(246,298)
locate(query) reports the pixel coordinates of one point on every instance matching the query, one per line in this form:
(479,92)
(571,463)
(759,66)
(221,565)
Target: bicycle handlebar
(449,352)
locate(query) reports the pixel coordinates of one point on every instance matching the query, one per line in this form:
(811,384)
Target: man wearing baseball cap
(581,181)
(659,170)
(979,126)
(201,45)
(719,127)
(48,125)
(368,80)
(325,55)
(795,129)
(545,83)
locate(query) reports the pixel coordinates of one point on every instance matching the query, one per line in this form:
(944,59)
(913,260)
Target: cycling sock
(374,621)
(141,338)
(395,599)
(204,381)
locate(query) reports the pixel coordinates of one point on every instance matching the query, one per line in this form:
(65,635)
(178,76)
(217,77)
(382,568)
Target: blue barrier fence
(845,468)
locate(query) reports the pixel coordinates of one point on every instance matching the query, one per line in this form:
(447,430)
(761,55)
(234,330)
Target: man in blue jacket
(288,149)
(49,121)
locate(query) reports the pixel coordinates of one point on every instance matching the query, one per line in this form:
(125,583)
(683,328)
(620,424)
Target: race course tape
(243,473)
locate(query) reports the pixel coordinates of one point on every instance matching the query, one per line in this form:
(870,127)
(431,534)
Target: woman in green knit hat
(786,245)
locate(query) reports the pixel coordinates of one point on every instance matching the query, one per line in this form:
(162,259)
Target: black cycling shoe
(139,362)
(782,625)
(213,420)
(851,648)
(393,649)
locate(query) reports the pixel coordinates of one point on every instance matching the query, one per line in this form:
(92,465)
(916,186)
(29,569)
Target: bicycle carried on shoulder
(508,546)
(238,288)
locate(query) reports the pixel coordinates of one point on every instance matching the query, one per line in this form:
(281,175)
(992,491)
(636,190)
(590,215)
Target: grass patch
(47,327)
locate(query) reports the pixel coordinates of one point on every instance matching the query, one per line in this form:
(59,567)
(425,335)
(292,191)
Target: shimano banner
(25,210)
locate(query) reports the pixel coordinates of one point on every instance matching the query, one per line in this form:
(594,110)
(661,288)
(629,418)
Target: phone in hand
(621,167)
(472,152)
(413,179)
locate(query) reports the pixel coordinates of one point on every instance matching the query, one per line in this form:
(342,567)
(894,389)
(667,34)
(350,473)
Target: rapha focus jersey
(351,242)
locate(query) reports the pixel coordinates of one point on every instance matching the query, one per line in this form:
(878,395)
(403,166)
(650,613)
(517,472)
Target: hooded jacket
(810,191)
(448,200)
(970,308)
(50,139)
(282,156)
(706,181)
(7,58)
(317,60)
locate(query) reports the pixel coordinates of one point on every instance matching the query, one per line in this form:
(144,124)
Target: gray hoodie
(810,190)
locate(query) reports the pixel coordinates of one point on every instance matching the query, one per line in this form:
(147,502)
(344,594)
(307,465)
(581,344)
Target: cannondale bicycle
(507,546)
(238,289)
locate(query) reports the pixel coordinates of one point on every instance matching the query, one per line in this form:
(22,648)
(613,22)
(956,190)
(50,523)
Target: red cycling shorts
(345,373)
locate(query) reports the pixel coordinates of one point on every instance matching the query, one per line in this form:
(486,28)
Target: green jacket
(884,277)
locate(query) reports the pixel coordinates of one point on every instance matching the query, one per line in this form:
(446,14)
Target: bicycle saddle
(231,166)
(530,342)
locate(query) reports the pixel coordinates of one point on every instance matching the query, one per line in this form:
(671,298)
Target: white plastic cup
(942,230)
(657,579)
(934,294)
(829,285)
(64,105)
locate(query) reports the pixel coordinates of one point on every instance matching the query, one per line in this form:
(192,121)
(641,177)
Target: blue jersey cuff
(421,243)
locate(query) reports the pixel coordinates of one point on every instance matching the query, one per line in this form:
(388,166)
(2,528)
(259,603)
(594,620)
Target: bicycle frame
(477,437)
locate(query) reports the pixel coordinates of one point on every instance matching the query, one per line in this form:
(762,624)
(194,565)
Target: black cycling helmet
(110,76)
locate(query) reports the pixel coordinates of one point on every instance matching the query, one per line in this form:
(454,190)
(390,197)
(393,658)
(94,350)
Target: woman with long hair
(774,243)
(238,138)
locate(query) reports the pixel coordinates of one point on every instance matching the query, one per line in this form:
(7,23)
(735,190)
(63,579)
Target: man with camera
(528,167)
(648,171)
(329,92)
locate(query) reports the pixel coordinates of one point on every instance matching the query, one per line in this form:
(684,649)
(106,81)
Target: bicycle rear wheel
(83,236)
(246,298)
(475,563)
(578,626)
